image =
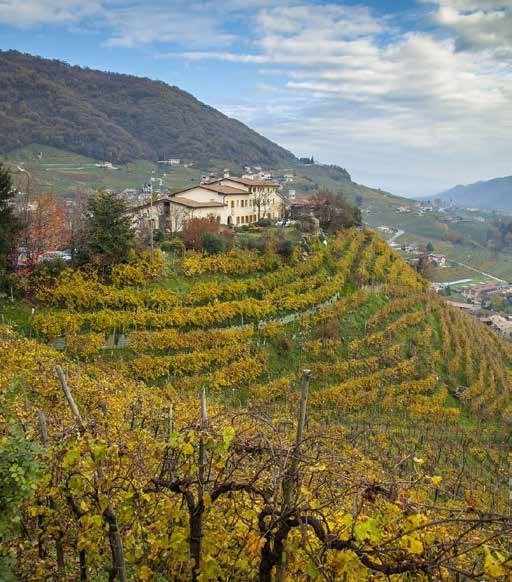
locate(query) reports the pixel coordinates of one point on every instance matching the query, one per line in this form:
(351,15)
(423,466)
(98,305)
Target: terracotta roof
(131,209)
(223,189)
(248,181)
(195,204)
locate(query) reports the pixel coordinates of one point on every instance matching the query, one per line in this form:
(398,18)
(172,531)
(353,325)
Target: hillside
(493,194)
(408,411)
(118,117)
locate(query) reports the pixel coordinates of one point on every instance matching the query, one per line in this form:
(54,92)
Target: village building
(302,207)
(230,200)
(477,292)
(150,214)
(438,260)
(501,325)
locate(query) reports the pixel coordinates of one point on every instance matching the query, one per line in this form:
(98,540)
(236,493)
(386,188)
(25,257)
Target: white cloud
(338,81)
(484,24)
(136,25)
(352,79)
(25,13)
(190,23)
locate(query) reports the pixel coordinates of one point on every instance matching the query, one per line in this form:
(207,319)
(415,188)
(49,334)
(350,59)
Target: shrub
(123,275)
(329,329)
(158,235)
(49,269)
(213,244)
(175,246)
(283,344)
(285,248)
(264,222)
(195,228)
(151,263)
(253,243)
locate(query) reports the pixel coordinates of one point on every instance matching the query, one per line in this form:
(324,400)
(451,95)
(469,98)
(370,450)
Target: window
(238,220)
(232,203)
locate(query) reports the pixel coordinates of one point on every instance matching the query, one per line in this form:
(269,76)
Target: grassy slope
(66,173)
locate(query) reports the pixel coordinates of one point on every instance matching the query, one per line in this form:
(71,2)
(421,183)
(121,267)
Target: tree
(334,212)
(107,233)
(46,229)
(425,266)
(9,223)
(261,201)
(430,247)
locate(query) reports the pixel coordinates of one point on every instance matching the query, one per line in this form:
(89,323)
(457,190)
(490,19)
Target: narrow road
(395,236)
(497,279)
(479,272)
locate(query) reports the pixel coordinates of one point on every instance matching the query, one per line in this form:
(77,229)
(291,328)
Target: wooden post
(204,413)
(43,427)
(196,512)
(291,477)
(116,542)
(59,549)
(171,421)
(70,399)
(306,378)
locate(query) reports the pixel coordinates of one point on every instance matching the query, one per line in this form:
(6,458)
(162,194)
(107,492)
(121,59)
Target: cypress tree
(107,233)
(9,223)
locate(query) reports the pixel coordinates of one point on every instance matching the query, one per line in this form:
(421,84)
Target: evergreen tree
(107,232)
(9,223)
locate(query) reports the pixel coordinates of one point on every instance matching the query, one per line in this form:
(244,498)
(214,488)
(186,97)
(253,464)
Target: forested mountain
(493,194)
(117,117)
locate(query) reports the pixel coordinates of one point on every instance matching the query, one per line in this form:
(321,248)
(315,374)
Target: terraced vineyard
(415,396)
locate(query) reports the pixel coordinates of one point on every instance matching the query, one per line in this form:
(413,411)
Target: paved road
(396,235)
(479,272)
(401,232)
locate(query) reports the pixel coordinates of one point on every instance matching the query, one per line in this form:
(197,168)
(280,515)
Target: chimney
(226,172)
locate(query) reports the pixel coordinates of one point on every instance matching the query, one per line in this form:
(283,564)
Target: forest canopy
(117,117)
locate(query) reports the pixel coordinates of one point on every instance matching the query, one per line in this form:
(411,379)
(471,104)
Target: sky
(411,96)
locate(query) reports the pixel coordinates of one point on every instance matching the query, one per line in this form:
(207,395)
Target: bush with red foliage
(195,228)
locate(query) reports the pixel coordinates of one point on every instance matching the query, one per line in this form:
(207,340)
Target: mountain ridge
(493,194)
(118,117)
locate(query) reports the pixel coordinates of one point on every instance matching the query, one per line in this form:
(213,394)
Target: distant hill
(493,194)
(118,117)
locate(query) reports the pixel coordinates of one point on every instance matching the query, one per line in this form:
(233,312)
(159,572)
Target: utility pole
(151,222)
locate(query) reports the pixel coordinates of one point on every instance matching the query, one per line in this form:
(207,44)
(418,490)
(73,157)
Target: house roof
(248,181)
(223,189)
(194,203)
(132,209)
(212,187)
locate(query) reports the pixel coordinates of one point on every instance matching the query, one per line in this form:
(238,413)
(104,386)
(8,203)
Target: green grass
(17,314)
(67,174)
